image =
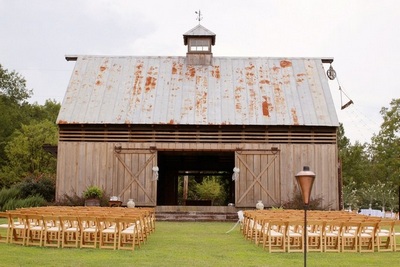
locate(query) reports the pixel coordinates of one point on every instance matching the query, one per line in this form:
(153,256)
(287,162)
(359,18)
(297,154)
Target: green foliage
(371,173)
(49,111)
(13,85)
(385,146)
(93,192)
(212,188)
(25,153)
(32,201)
(39,185)
(351,195)
(15,112)
(7,194)
(209,188)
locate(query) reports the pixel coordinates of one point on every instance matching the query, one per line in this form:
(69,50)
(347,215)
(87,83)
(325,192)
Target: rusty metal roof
(164,90)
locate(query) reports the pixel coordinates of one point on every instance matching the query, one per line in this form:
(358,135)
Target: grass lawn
(188,244)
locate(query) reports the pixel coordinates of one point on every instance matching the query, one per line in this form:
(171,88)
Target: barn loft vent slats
(293,136)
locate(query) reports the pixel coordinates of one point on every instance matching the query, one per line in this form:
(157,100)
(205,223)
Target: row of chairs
(333,231)
(106,228)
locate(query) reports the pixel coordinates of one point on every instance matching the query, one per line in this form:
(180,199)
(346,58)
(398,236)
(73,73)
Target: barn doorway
(181,173)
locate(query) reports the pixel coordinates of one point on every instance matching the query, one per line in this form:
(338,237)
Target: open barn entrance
(185,175)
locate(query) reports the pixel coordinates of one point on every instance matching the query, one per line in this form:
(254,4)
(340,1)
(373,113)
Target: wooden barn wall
(322,160)
(81,164)
(127,174)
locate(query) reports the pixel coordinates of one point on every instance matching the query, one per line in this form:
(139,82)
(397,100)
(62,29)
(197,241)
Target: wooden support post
(185,188)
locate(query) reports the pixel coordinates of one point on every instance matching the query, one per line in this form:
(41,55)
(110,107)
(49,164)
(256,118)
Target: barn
(134,125)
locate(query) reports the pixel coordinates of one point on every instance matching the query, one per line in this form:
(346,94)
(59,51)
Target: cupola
(199,41)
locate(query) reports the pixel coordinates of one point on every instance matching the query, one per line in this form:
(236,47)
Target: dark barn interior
(197,164)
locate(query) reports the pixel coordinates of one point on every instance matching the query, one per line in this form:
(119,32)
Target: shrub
(73,199)
(32,201)
(93,192)
(38,185)
(7,194)
(296,202)
(70,200)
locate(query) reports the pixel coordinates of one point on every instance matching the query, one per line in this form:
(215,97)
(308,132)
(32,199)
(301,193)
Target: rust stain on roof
(151,80)
(285,63)
(191,72)
(279,99)
(300,77)
(151,83)
(216,73)
(265,81)
(258,91)
(294,116)
(250,74)
(138,79)
(266,106)
(177,68)
(275,68)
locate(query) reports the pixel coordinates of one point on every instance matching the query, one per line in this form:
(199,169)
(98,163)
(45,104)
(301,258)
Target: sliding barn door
(135,176)
(259,178)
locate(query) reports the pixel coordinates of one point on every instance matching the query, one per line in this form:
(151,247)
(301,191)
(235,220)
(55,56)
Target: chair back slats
(85,227)
(327,231)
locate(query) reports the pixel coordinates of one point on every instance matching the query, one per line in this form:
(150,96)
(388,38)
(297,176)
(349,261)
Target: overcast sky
(362,36)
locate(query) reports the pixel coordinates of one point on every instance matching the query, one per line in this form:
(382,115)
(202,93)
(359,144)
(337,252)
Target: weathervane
(199,16)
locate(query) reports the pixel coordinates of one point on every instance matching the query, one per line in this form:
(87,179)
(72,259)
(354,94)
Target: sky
(363,37)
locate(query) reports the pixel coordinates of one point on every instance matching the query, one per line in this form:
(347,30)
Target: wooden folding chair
(314,235)
(18,224)
(331,235)
(5,228)
(128,235)
(396,236)
(366,236)
(108,232)
(384,235)
(276,236)
(52,231)
(35,229)
(70,231)
(349,236)
(89,230)
(295,235)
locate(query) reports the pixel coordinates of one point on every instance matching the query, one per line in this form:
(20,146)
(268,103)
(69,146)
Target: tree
(385,194)
(209,188)
(16,111)
(25,153)
(13,85)
(351,196)
(48,111)
(13,96)
(355,160)
(385,146)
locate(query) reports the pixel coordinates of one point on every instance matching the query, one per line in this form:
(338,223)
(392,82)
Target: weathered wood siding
(259,178)
(129,172)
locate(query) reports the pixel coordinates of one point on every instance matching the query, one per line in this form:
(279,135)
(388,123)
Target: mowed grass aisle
(188,244)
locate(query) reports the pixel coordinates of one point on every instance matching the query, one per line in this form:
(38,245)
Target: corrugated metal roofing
(164,90)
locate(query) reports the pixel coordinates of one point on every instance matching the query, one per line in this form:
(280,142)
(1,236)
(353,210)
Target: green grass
(188,244)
